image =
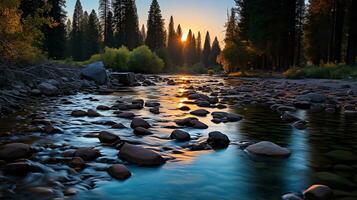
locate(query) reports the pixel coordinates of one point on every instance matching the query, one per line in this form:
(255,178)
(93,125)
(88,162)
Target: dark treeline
(114,25)
(276,35)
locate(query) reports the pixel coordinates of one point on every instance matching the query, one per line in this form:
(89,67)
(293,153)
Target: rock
(200,112)
(126,115)
(142,131)
(289,117)
(226,117)
(118,126)
(78,113)
(42,191)
(312,97)
(218,140)
(155,110)
(330,110)
(77,163)
(301,125)
(51,129)
(191,122)
(106,137)
(285,108)
(87,154)
(119,172)
(151,104)
(102,107)
(70,192)
(335,180)
(180,135)
(204,104)
(140,155)
(126,79)
(14,151)
(342,155)
(185,108)
(318,192)
(291,196)
(138,122)
(171,82)
(35,92)
(92,113)
(95,72)
(302,104)
(269,149)
(48,89)
(19,168)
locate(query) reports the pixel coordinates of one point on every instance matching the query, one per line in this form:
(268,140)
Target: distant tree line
(276,35)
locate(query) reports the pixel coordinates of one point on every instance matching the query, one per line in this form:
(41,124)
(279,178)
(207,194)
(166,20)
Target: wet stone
(200,112)
(92,113)
(141,156)
(142,131)
(119,172)
(318,192)
(269,149)
(14,151)
(107,137)
(139,122)
(87,154)
(180,135)
(218,140)
(78,113)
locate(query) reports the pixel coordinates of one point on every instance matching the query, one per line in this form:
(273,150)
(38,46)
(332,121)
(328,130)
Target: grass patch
(327,71)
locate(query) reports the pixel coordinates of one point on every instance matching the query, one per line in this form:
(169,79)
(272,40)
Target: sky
(198,15)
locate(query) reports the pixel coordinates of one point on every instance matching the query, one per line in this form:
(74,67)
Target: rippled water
(223,174)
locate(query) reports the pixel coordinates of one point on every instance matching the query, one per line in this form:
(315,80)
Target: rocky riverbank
(78,128)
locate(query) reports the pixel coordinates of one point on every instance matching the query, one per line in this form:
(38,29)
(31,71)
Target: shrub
(210,72)
(143,60)
(294,73)
(328,71)
(117,59)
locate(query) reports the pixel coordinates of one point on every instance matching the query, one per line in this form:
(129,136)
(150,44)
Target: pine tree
(131,26)
(206,51)
(76,37)
(172,43)
(110,33)
(156,34)
(55,35)
(216,50)
(180,46)
(143,34)
(30,7)
(92,35)
(190,49)
(199,47)
(104,8)
(352,35)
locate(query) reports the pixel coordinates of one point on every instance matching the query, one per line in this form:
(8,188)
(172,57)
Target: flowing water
(223,174)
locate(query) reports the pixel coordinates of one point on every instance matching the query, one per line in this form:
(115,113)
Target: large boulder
(95,72)
(141,156)
(14,151)
(126,79)
(119,171)
(266,148)
(48,89)
(218,140)
(318,192)
(312,97)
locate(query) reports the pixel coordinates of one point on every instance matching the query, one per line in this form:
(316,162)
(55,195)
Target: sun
(184,38)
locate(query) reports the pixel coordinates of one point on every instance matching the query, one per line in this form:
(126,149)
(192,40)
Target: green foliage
(143,60)
(327,71)
(117,59)
(210,72)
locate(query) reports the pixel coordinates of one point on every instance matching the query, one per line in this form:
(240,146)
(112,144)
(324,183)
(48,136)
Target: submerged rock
(106,137)
(185,108)
(142,131)
(226,117)
(78,113)
(14,151)
(139,122)
(180,135)
(266,148)
(301,125)
(218,140)
(119,172)
(200,112)
(95,72)
(87,154)
(141,156)
(191,122)
(318,192)
(92,113)
(126,115)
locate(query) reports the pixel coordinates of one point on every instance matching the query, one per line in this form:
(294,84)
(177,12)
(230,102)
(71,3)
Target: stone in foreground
(138,122)
(266,148)
(180,135)
(106,137)
(218,140)
(119,172)
(318,192)
(141,156)
(87,154)
(14,151)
